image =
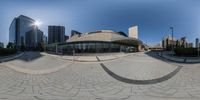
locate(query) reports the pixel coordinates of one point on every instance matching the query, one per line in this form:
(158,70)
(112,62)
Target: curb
(97,60)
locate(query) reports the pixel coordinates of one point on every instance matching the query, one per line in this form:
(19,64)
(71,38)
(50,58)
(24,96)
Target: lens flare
(37,23)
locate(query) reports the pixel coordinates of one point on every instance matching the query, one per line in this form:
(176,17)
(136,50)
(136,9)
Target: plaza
(111,76)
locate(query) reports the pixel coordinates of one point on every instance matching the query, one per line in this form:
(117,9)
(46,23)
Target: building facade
(1,45)
(197,42)
(168,43)
(56,34)
(183,42)
(133,32)
(34,38)
(21,30)
(66,38)
(45,39)
(73,32)
(100,41)
(190,45)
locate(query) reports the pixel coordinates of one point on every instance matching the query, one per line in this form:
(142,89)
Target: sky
(153,17)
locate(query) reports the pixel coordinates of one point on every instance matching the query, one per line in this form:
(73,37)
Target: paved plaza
(134,76)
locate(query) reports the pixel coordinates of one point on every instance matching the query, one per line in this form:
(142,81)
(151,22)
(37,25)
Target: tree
(10,45)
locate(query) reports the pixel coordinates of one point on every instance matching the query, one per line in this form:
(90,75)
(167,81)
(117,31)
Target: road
(139,76)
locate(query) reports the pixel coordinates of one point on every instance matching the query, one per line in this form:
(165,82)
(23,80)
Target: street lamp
(198,48)
(172,29)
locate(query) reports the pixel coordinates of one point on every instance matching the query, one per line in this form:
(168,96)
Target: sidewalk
(167,55)
(91,58)
(11,57)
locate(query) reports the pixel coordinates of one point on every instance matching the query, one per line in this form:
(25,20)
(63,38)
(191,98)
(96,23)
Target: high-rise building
(34,38)
(66,38)
(197,43)
(45,39)
(56,34)
(133,32)
(1,45)
(73,32)
(20,28)
(184,42)
(167,42)
(190,45)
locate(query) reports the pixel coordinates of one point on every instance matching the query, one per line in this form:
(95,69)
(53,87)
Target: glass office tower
(18,29)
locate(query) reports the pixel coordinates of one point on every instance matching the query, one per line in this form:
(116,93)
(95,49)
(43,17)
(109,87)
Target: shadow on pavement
(29,56)
(142,82)
(154,54)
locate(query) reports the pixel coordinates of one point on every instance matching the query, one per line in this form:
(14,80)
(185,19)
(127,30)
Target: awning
(127,41)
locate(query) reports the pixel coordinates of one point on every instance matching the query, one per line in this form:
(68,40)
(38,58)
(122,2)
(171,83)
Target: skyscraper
(66,38)
(1,45)
(18,30)
(73,32)
(33,38)
(197,43)
(45,39)
(133,32)
(56,34)
(167,42)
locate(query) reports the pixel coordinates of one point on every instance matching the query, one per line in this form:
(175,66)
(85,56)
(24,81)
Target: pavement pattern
(71,80)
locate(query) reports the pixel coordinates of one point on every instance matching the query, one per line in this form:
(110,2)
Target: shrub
(186,51)
(7,51)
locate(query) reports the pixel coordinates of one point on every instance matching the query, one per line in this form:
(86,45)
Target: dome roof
(105,36)
(95,36)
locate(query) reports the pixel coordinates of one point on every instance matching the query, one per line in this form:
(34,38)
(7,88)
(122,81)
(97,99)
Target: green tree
(10,45)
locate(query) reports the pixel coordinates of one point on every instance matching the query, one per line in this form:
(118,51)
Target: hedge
(7,51)
(186,52)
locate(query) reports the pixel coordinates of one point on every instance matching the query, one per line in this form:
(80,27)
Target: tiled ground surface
(89,81)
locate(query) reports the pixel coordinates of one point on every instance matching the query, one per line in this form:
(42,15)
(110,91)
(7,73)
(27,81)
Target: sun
(37,23)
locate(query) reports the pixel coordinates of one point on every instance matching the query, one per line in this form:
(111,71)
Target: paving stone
(89,81)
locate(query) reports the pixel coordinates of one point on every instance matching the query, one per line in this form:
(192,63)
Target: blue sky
(154,17)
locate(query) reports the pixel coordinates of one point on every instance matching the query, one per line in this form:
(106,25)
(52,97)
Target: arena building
(101,41)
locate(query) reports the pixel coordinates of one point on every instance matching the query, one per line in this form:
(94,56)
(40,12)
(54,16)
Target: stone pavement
(89,81)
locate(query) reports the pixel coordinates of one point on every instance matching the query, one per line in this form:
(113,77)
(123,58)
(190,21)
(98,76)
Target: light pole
(172,29)
(198,48)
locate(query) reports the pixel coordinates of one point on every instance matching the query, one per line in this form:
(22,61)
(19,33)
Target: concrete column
(139,48)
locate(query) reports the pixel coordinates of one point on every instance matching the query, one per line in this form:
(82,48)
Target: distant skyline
(153,17)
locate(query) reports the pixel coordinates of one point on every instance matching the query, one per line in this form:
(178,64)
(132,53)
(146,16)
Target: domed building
(100,41)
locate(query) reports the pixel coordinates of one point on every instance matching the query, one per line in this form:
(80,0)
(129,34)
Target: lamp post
(198,48)
(172,29)
(198,51)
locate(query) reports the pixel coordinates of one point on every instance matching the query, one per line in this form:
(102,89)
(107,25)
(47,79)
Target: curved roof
(127,40)
(22,17)
(26,17)
(106,36)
